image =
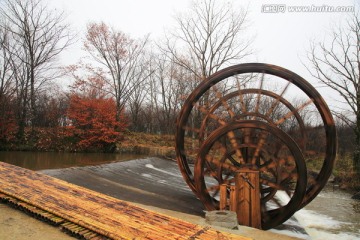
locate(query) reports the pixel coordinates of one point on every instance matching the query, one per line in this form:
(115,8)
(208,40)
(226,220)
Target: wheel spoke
(241,97)
(257,106)
(211,115)
(233,161)
(272,184)
(261,142)
(292,113)
(224,102)
(227,166)
(277,100)
(232,138)
(277,202)
(268,165)
(266,190)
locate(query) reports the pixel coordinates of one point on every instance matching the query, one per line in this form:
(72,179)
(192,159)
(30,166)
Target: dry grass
(148,140)
(343,171)
(345,174)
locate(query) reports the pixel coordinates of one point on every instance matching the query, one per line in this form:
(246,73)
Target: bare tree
(336,64)
(208,37)
(136,106)
(5,64)
(122,59)
(38,36)
(169,85)
(6,86)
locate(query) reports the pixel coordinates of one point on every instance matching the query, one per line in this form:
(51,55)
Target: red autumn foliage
(93,122)
(92,113)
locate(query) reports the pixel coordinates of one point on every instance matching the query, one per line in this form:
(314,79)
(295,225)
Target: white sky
(281,38)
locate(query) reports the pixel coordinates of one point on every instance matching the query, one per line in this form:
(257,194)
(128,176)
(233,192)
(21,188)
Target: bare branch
(122,58)
(209,37)
(336,64)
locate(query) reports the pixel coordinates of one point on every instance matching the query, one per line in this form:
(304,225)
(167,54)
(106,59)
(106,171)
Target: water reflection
(53,160)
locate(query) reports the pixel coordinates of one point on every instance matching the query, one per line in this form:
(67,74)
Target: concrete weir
(145,199)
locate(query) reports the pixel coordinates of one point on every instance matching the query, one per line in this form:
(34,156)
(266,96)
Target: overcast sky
(280,38)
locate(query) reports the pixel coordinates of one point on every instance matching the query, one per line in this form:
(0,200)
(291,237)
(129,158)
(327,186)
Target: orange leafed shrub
(93,122)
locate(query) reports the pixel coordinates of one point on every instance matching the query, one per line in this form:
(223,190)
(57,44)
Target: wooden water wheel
(262,117)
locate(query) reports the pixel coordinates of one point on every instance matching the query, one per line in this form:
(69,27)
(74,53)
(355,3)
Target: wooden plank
(102,214)
(248,198)
(233,198)
(223,197)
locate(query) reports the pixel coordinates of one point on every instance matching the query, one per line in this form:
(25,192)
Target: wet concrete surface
(151,181)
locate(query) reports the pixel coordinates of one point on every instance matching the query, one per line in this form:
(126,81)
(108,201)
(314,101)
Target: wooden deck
(79,208)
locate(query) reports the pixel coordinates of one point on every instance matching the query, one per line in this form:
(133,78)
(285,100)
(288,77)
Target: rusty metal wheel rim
(314,186)
(270,217)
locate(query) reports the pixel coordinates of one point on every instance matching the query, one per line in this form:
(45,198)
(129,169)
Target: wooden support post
(233,198)
(247,185)
(223,197)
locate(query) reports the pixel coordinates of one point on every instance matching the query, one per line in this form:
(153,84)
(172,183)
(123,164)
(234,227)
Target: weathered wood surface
(248,198)
(100,213)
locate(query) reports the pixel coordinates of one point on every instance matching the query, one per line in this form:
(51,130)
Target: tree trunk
(356,156)
(22,111)
(32,100)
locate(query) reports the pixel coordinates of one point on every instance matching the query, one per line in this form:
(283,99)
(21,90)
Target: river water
(55,160)
(332,215)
